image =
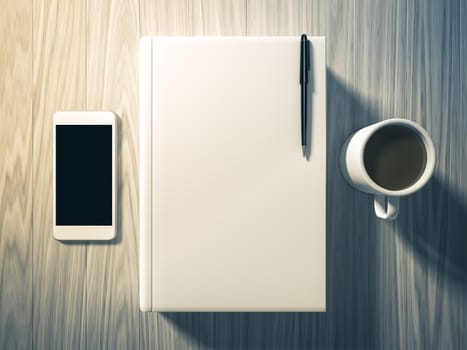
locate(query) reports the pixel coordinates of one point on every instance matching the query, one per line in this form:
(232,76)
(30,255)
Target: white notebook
(232,215)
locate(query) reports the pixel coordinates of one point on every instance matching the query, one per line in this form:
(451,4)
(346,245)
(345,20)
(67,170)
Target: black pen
(304,68)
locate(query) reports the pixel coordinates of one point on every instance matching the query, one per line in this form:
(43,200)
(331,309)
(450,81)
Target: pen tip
(304,151)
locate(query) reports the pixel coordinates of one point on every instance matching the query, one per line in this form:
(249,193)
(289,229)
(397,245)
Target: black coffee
(395,157)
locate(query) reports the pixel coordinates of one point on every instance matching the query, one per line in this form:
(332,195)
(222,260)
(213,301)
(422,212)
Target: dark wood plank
(412,281)
(460,162)
(434,229)
(345,316)
(16,176)
(59,83)
(380,81)
(112,312)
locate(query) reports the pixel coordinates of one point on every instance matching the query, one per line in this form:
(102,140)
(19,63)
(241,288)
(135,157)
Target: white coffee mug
(357,157)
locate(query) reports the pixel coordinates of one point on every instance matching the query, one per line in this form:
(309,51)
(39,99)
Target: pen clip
(304,59)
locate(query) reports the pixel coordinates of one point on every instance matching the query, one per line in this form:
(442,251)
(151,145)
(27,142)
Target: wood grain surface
(399,285)
(214,17)
(112,311)
(345,314)
(436,226)
(274,17)
(460,162)
(165,17)
(59,83)
(379,44)
(16,175)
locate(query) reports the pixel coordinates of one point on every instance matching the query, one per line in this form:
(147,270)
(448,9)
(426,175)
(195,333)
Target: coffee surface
(395,157)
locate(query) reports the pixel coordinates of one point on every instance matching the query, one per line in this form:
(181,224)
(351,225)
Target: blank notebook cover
(232,214)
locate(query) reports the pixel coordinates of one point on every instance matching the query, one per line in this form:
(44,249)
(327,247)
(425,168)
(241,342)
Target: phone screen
(83,175)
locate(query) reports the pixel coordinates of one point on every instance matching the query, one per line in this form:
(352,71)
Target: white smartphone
(84,175)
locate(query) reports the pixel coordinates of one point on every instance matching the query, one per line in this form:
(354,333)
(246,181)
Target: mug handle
(386,207)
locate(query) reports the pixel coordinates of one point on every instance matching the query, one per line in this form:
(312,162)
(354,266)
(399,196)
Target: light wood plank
(226,17)
(16,176)
(59,71)
(274,17)
(214,17)
(112,311)
(407,278)
(267,330)
(192,330)
(166,17)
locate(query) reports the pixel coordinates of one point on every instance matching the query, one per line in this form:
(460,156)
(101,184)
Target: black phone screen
(83,175)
